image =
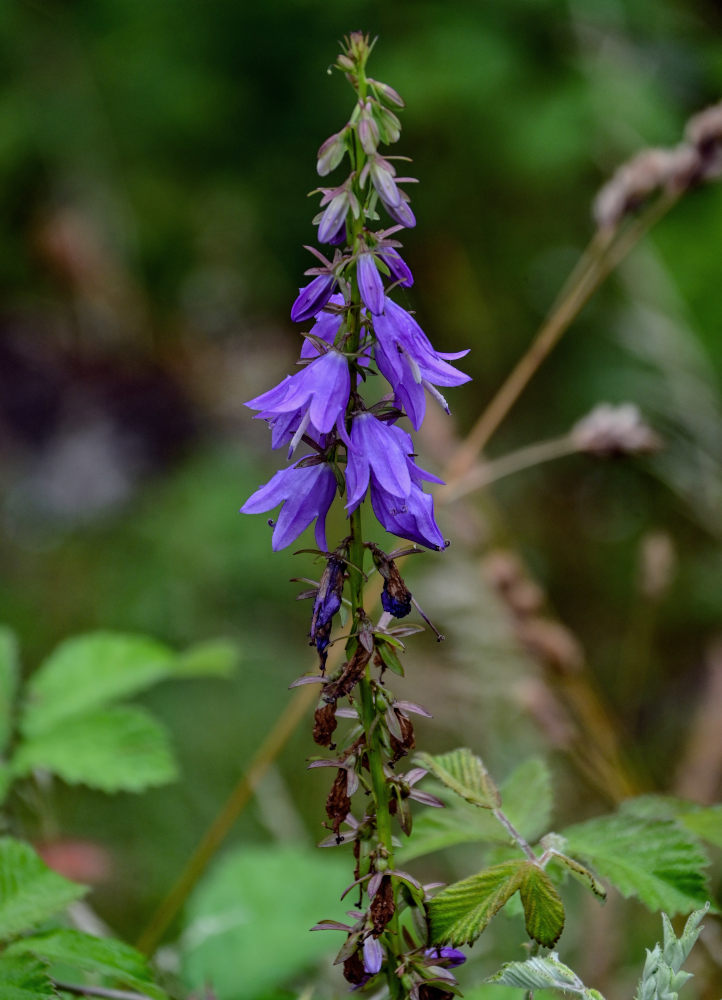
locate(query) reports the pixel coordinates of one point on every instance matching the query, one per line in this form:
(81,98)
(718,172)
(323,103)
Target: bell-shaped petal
(313,297)
(321,388)
(409,517)
(370,284)
(306,492)
(377,449)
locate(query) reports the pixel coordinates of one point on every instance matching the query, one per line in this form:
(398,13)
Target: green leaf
(214,658)
(246,929)
(705,823)
(24,978)
(655,860)
(543,908)
(29,891)
(115,749)
(581,873)
(112,959)
(526,798)
(543,974)
(461,911)
(9,674)
(463,772)
(389,657)
(90,671)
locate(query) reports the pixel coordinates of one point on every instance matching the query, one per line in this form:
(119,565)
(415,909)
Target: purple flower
(313,297)
(400,270)
(450,957)
(382,178)
(401,213)
(380,450)
(409,517)
(313,399)
(370,284)
(373,955)
(408,361)
(306,492)
(379,454)
(334,217)
(327,602)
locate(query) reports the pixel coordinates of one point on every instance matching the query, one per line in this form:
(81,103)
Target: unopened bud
(331,153)
(368,130)
(387,93)
(388,124)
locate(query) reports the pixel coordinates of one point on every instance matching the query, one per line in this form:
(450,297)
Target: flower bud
(368,131)
(387,93)
(331,153)
(388,124)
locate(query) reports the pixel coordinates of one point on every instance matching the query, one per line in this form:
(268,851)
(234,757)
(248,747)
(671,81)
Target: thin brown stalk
(603,254)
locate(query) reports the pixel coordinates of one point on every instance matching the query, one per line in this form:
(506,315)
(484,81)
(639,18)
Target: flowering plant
(344,441)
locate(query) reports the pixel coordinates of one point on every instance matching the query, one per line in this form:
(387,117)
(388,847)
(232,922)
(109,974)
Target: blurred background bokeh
(154,164)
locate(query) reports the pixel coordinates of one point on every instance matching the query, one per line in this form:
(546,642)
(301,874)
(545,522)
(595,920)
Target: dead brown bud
(324,724)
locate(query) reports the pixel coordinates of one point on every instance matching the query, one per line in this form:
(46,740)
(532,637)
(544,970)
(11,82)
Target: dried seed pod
(382,906)
(338,804)
(324,724)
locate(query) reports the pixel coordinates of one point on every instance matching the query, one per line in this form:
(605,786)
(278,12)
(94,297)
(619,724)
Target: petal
(331,385)
(385,454)
(312,298)
(370,284)
(270,495)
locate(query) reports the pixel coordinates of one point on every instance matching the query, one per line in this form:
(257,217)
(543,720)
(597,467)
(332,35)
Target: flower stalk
(360,451)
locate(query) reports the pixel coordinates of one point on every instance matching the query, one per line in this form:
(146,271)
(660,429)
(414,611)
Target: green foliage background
(154,163)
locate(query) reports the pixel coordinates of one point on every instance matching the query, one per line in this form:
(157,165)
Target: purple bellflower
(306,492)
(379,455)
(447,956)
(405,357)
(411,517)
(370,284)
(313,400)
(400,270)
(313,297)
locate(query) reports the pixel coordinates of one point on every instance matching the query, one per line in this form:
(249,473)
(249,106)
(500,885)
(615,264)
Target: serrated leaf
(9,674)
(107,957)
(214,658)
(543,907)
(30,892)
(24,978)
(655,860)
(114,749)
(543,974)
(582,874)
(526,798)
(461,911)
(463,772)
(89,671)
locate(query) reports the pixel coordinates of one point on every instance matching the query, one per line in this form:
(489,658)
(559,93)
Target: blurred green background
(154,164)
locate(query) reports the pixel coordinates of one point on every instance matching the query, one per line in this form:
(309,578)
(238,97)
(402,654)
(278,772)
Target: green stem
(357,552)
